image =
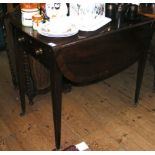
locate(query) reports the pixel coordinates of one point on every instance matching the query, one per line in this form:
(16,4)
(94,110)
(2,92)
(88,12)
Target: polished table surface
(83,58)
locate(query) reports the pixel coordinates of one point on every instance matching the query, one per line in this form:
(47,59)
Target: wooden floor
(101,114)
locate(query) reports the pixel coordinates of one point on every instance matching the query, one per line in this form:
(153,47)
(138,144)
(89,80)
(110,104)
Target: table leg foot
(31,102)
(22,113)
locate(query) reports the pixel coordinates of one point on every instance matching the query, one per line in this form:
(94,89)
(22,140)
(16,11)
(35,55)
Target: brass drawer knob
(21,39)
(39,51)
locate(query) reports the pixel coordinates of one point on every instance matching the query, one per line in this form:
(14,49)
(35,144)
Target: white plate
(50,29)
(93,25)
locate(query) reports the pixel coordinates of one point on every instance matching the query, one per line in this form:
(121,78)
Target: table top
(81,36)
(90,56)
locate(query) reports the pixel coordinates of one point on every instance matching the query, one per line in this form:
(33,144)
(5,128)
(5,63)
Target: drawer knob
(39,51)
(21,39)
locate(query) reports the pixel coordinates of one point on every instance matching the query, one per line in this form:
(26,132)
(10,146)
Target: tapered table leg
(56,88)
(21,81)
(154,79)
(140,72)
(20,75)
(18,80)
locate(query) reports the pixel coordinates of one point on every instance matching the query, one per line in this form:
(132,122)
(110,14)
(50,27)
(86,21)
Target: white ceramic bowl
(86,14)
(56,10)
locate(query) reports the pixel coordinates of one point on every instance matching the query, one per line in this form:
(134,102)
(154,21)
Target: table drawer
(34,47)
